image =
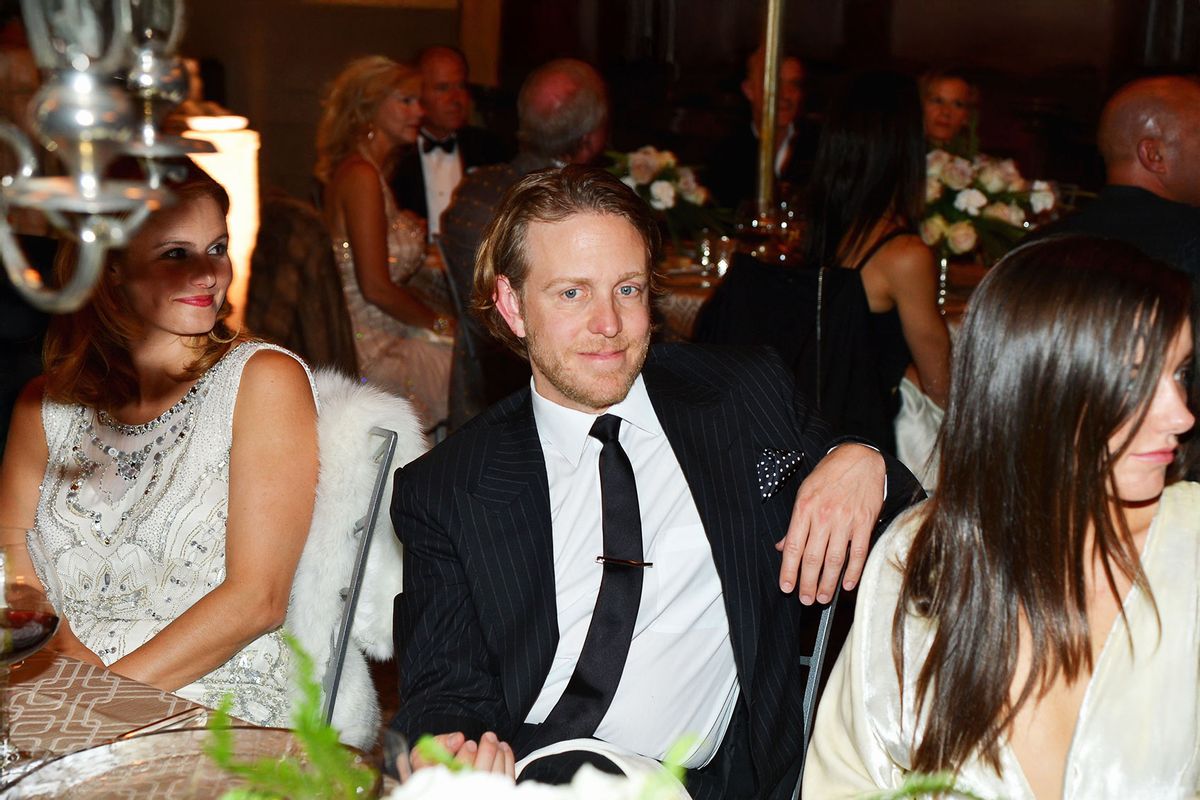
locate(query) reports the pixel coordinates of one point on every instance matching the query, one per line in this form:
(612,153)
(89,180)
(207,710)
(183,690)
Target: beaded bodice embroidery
(130,530)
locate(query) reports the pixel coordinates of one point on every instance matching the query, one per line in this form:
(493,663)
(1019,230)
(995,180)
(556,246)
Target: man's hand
(836,506)
(489,754)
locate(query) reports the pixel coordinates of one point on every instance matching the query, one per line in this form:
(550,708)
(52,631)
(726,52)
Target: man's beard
(603,389)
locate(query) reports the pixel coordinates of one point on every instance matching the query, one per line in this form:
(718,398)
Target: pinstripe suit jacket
(476,625)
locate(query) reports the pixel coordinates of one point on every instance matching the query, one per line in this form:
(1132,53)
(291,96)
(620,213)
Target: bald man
(1149,137)
(733,166)
(426,176)
(562,113)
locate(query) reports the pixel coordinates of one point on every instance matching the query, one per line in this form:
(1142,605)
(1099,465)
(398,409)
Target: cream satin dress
(1136,736)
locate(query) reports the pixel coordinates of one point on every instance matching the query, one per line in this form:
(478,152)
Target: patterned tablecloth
(59,705)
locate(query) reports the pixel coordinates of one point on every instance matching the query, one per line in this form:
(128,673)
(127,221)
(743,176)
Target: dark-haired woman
(865,200)
(1034,627)
(165,468)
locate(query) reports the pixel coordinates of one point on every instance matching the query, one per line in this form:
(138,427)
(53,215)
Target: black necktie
(594,683)
(429,144)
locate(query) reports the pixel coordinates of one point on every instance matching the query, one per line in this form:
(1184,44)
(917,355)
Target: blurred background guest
(1032,629)
(403,340)
(733,165)
(1149,137)
(864,201)
(950,109)
(562,112)
(166,520)
(425,177)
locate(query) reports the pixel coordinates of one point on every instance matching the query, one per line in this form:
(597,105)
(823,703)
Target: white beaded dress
(130,532)
(1137,736)
(410,361)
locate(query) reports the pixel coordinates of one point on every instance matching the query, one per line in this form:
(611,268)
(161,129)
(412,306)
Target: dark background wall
(1044,66)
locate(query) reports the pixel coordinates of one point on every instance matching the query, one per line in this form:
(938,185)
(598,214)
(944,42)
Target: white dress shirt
(679,677)
(443,171)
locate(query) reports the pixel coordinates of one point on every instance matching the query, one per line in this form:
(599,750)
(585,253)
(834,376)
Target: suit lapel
(703,429)
(515,550)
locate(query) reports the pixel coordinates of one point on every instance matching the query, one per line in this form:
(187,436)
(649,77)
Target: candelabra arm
(27,162)
(28,280)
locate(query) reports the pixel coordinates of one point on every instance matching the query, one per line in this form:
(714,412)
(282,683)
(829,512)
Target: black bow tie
(429,144)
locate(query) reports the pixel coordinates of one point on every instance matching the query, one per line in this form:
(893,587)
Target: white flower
(933,229)
(936,161)
(970,201)
(643,165)
(961,237)
(1041,198)
(958,174)
(1008,213)
(933,188)
(439,783)
(662,195)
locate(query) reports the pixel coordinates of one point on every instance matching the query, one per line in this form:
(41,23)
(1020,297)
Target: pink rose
(961,237)
(933,229)
(958,174)
(643,165)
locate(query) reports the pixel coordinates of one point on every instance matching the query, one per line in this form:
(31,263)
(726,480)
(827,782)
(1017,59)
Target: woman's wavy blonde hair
(86,353)
(350,105)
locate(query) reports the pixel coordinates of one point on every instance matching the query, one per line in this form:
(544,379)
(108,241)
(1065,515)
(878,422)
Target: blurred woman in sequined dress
(403,333)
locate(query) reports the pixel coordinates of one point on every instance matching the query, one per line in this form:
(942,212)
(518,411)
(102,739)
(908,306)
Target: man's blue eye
(628,291)
(571,294)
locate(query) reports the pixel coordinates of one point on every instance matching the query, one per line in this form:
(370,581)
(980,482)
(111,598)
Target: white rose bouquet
(982,205)
(672,190)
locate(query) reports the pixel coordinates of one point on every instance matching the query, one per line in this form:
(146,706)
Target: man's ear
(508,303)
(1150,155)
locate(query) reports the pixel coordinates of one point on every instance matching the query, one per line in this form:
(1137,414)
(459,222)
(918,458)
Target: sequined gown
(130,532)
(407,360)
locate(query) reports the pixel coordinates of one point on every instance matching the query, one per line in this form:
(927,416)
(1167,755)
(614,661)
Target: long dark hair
(1063,342)
(870,165)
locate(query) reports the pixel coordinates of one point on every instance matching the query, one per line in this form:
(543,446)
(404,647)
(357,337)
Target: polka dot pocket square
(775,467)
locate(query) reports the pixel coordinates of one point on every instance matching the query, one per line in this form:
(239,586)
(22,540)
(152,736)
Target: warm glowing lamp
(235,167)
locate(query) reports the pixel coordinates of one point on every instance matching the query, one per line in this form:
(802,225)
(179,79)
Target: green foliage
(939,785)
(327,770)
(430,749)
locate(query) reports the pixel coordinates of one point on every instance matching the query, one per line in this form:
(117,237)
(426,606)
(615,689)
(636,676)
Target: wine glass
(27,623)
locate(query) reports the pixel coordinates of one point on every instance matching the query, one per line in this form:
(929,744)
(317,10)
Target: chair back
(363,531)
(295,297)
(815,662)
(352,566)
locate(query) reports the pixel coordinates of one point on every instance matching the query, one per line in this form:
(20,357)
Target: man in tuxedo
(562,113)
(1149,136)
(425,177)
(607,558)
(733,167)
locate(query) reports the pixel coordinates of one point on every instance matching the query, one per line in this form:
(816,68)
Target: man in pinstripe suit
(502,521)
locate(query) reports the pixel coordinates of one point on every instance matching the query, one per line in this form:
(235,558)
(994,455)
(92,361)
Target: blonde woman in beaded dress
(402,333)
(165,468)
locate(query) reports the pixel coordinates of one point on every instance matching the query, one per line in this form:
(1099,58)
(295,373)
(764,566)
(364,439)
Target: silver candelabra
(109,77)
